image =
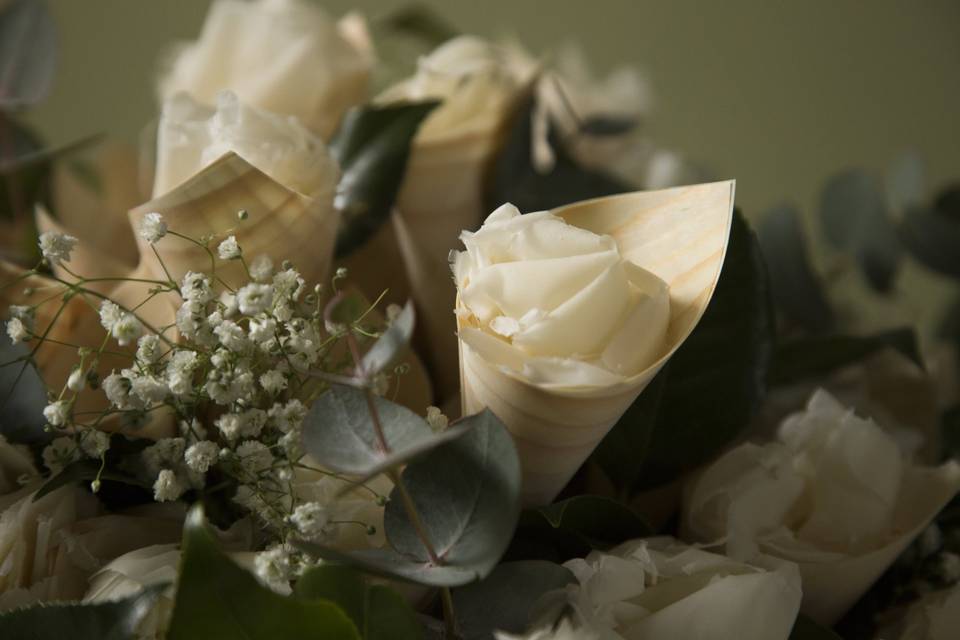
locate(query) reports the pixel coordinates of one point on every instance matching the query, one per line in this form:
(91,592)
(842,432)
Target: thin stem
(449,617)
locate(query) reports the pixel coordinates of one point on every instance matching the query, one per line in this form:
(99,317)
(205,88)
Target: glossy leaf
(796,288)
(467,492)
(574,527)
(813,357)
(372,147)
(379,612)
(218,599)
(514,178)
(339,433)
(28,52)
(117,620)
(855,218)
(23,395)
(712,385)
(391,342)
(506,599)
(932,235)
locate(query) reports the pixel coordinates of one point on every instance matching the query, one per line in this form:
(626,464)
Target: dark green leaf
(103,621)
(339,433)
(23,395)
(505,599)
(514,178)
(391,343)
(574,527)
(372,146)
(855,218)
(713,383)
(814,357)
(933,237)
(421,22)
(378,611)
(85,471)
(950,432)
(806,629)
(217,599)
(793,282)
(608,125)
(28,53)
(467,492)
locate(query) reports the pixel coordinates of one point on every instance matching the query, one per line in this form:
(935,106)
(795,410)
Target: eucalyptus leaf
(817,356)
(340,434)
(806,629)
(906,181)
(574,527)
(855,218)
(421,22)
(391,342)
(712,385)
(23,395)
(505,600)
(602,126)
(950,433)
(796,289)
(372,147)
(467,494)
(28,53)
(116,620)
(217,599)
(515,179)
(379,612)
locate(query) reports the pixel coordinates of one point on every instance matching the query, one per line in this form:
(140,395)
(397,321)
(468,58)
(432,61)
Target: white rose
(285,56)
(557,304)
(130,573)
(191,137)
(49,547)
(936,616)
(659,588)
(834,493)
(16,464)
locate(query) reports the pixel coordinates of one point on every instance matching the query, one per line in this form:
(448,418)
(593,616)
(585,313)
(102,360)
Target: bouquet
(358,348)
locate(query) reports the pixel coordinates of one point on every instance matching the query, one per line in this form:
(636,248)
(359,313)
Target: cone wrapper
(680,235)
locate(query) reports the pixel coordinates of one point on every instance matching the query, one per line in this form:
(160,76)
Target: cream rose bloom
(285,56)
(130,573)
(49,547)
(659,588)
(557,304)
(834,493)
(192,136)
(16,464)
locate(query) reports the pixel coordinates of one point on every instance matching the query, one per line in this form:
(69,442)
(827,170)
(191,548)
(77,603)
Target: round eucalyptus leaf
(391,342)
(28,52)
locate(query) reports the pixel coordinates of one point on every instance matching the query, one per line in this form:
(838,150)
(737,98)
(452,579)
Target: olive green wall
(776,94)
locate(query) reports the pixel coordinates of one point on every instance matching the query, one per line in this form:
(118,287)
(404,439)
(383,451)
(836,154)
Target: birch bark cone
(680,235)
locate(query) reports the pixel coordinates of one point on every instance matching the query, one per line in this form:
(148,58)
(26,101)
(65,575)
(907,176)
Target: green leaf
(712,385)
(28,53)
(505,599)
(85,471)
(814,357)
(379,611)
(514,178)
(391,342)
(793,281)
(906,181)
(806,629)
(372,146)
(950,432)
(421,22)
(23,395)
(339,433)
(932,235)
(467,493)
(217,599)
(116,620)
(855,218)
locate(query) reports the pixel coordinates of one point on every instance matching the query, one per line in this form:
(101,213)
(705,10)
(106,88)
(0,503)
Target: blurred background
(779,95)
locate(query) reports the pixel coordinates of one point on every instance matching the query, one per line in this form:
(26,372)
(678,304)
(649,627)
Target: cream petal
(641,338)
